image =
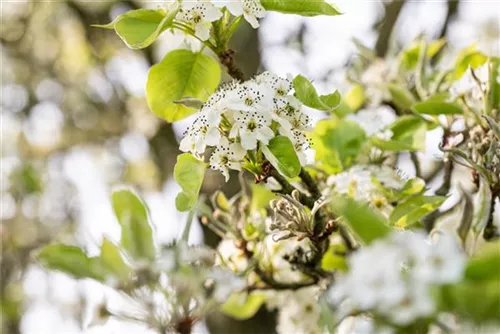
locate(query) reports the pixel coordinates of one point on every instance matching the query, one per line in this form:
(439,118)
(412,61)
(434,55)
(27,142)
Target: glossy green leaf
(301,7)
(243,306)
(485,264)
(179,75)
(113,261)
(433,107)
(307,94)
(412,186)
(494,91)
(331,100)
(337,143)
(410,56)
(413,209)
(469,57)
(401,96)
(189,173)
(281,154)
(141,27)
(482,206)
(136,231)
(478,302)
(261,196)
(71,260)
(366,224)
(333,260)
(355,98)
(408,135)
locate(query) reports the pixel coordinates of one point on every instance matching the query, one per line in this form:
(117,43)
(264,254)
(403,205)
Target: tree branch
(392,11)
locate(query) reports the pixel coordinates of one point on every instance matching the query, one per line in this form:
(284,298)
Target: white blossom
(199,15)
(252,127)
(299,312)
(240,115)
(374,120)
(250,96)
(398,287)
(204,131)
(225,283)
(227,156)
(250,9)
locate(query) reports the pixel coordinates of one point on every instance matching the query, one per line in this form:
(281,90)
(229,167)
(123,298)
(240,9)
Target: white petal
(212,13)
(265,134)
(212,137)
(235,7)
(237,151)
(248,140)
(234,130)
(252,20)
(186,144)
(202,30)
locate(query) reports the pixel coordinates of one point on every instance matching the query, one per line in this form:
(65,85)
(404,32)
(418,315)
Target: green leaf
(494,91)
(332,261)
(432,107)
(307,94)
(261,196)
(331,100)
(301,7)
(473,301)
(469,57)
(71,260)
(137,234)
(408,135)
(485,265)
(189,173)
(242,306)
(482,206)
(401,96)
(414,209)
(337,143)
(180,74)
(410,56)
(140,28)
(355,98)
(112,260)
(412,186)
(367,224)
(281,154)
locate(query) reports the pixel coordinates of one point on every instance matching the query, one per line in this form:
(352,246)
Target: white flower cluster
(398,286)
(299,311)
(199,14)
(374,121)
(358,183)
(375,79)
(240,115)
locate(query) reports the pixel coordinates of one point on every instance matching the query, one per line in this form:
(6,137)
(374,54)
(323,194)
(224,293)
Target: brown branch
(392,11)
(227,59)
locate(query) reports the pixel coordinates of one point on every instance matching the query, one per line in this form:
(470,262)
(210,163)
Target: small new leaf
(189,173)
(281,154)
(181,74)
(242,306)
(71,260)
(136,231)
(366,224)
(307,94)
(301,7)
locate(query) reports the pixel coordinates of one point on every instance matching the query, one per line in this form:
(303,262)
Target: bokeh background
(75,123)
